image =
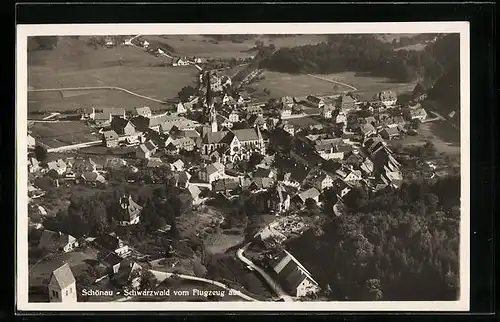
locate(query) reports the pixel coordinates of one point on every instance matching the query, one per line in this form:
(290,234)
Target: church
(228,145)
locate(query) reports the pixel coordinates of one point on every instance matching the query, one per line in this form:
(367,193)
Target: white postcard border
(23,31)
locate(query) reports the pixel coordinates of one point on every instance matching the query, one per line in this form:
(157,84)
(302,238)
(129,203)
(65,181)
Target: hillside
(367,53)
(446,93)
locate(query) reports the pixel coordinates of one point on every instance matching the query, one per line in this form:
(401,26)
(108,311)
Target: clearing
(283,84)
(368,85)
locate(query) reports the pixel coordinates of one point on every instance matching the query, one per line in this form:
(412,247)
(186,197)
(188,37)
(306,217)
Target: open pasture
(63,133)
(283,84)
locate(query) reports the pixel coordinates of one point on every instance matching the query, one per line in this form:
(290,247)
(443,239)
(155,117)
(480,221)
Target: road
(161,276)
(74,146)
(332,81)
(272,283)
(93,88)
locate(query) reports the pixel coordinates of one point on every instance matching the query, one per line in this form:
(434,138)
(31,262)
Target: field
(444,137)
(74,64)
(202,46)
(283,84)
(63,133)
(368,85)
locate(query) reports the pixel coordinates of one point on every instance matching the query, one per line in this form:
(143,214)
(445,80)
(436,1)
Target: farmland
(366,84)
(282,84)
(63,133)
(74,64)
(203,46)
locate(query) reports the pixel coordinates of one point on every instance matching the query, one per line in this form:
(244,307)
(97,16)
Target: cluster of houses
(114,262)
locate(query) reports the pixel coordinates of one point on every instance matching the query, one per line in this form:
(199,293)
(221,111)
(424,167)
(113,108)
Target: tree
(186,92)
(40,153)
(148,280)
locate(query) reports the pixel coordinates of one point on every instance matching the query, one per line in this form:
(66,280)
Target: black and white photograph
(276,166)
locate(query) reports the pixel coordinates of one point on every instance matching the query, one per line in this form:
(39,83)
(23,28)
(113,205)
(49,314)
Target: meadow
(283,84)
(63,133)
(367,85)
(74,64)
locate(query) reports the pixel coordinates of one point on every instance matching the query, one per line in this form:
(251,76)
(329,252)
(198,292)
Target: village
(294,155)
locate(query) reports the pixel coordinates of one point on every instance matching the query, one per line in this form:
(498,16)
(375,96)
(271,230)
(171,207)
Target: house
(93,177)
(83,165)
(103,119)
(178,165)
(186,144)
(228,100)
(348,174)
(285,112)
(225,185)
(111,262)
(278,199)
(128,275)
(329,149)
(33,165)
(224,122)
(327,111)
(114,111)
(367,166)
(231,115)
(59,166)
(315,101)
(254,110)
(109,42)
(62,285)
(387,98)
(311,193)
(261,183)
(88,113)
(389,133)
(130,211)
(340,187)
(123,126)
(293,276)
(212,172)
(347,103)
(180,62)
(264,173)
(323,181)
(195,192)
(341,118)
(144,111)
(31,142)
(287,127)
(146,150)
(145,44)
(57,241)
(255,120)
(110,139)
(112,243)
(414,114)
(367,130)
(181,108)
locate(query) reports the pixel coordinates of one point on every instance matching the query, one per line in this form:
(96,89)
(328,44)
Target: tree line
(365,53)
(393,245)
(100,213)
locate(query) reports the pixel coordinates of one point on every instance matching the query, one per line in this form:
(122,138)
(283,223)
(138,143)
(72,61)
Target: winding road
(93,88)
(272,283)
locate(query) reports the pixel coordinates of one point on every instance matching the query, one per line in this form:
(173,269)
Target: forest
(397,245)
(100,213)
(366,53)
